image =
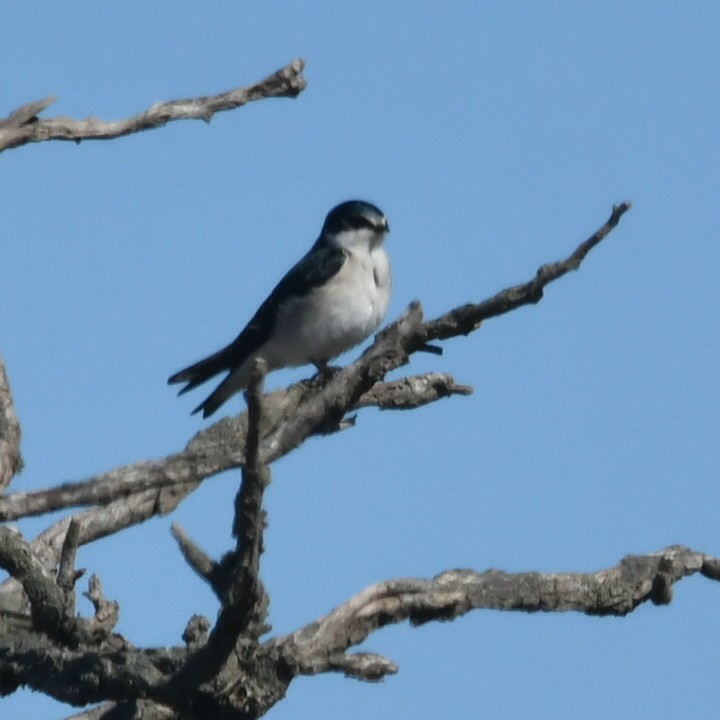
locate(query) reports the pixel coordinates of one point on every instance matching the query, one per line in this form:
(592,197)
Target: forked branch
(132,674)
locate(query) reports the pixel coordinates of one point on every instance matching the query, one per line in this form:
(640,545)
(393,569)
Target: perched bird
(331,300)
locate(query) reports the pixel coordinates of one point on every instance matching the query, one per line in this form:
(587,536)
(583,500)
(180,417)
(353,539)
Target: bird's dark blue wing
(314,269)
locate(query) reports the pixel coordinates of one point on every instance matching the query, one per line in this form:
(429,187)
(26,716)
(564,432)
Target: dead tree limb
(24,126)
(313,405)
(248,689)
(11,462)
(226,671)
(134,493)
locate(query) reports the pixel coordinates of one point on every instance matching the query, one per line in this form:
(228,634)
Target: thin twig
(412,392)
(67,576)
(107,612)
(196,558)
(23,126)
(362,666)
(463,320)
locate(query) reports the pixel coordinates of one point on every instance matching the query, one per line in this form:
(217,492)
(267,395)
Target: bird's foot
(325,372)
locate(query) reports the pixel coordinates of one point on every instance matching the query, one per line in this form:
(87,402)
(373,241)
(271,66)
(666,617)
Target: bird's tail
(234,382)
(201,371)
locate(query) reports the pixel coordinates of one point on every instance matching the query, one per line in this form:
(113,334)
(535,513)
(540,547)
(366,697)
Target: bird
(333,298)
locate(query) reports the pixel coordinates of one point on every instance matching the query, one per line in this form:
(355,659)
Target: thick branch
(23,126)
(11,461)
(250,688)
(52,606)
(214,450)
(47,599)
(79,677)
(617,591)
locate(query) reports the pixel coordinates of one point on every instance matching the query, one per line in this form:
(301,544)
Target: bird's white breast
(335,316)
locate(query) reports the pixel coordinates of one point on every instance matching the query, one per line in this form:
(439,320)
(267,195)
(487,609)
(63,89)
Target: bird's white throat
(366,239)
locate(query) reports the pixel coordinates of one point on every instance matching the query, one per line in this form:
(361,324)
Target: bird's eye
(365,222)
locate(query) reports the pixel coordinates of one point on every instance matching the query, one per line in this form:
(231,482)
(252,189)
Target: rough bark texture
(226,670)
(11,461)
(24,126)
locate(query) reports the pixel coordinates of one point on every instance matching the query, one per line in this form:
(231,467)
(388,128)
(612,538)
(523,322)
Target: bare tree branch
(47,600)
(289,416)
(27,113)
(237,578)
(249,688)
(412,392)
(196,558)
(67,576)
(463,320)
(323,411)
(134,493)
(362,666)
(80,677)
(11,461)
(52,607)
(23,126)
(213,450)
(617,591)
(107,612)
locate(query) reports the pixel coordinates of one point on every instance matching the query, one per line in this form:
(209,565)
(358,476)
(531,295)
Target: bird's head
(355,223)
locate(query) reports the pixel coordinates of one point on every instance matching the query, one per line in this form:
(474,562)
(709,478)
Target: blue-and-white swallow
(331,300)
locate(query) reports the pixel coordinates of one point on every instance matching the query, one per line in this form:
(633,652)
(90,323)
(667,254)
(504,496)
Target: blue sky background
(495,136)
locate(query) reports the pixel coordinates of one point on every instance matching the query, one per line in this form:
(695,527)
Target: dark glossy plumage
(352,215)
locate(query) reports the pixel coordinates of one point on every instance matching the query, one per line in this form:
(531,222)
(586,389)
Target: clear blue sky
(495,136)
